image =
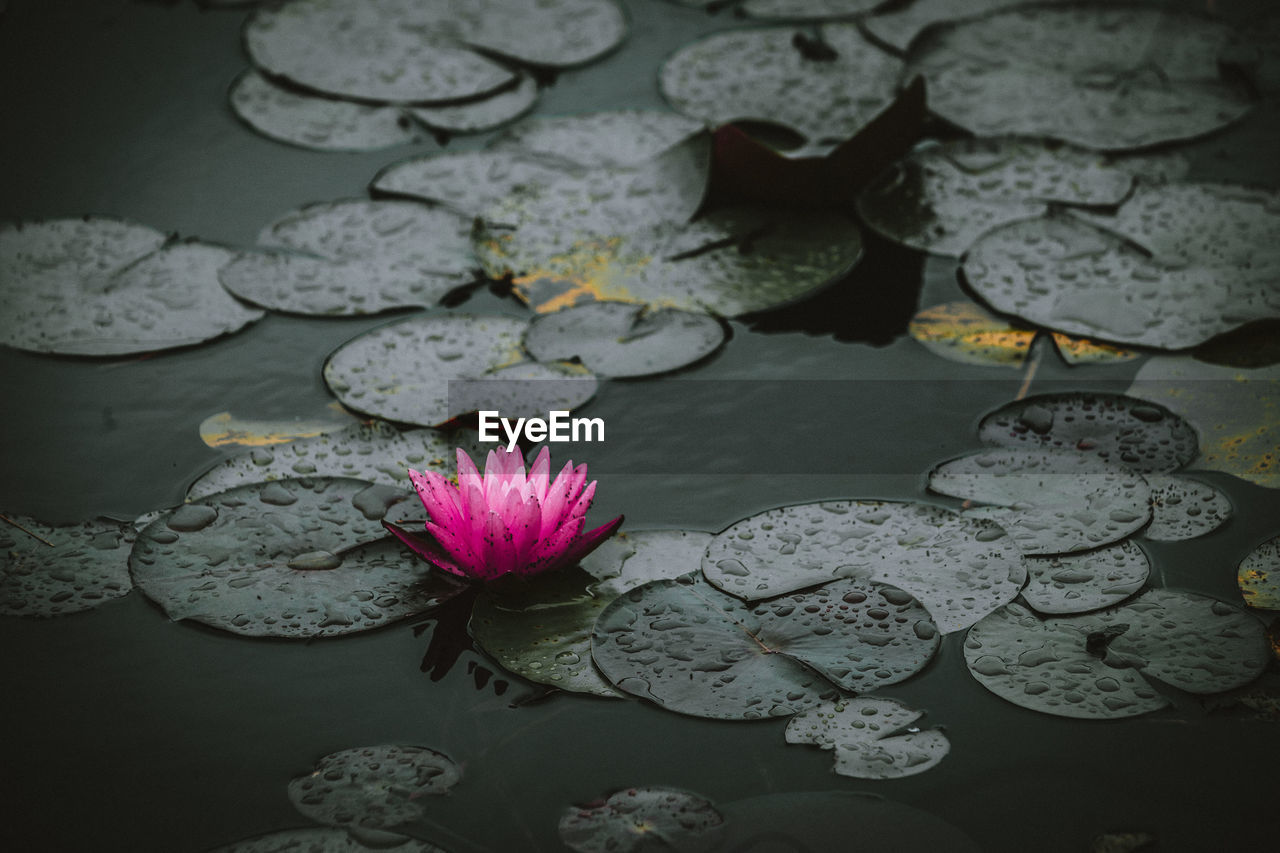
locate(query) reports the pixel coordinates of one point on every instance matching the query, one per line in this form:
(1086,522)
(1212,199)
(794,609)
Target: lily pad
(872,738)
(960,569)
(1049,502)
(315,122)
(492,111)
(692,649)
(103,287)
(1092,580)
(897,26)
(1182,508)
(620,339)
(53,569)
(1098,665)
(635,819)
(942,198)
(608,138)
(965,332)
(294,558)
(468,181)
(807,10)
(1111,427)
(424,50)
(1099,76)
(1259,576)
(542,632)
(402,371)
(355,257)
(318,840)
(1087,351)
(826,89)
(377,453)
(1236,411)
(374,787)
(226,430)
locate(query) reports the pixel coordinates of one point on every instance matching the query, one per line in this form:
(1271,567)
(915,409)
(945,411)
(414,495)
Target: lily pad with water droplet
(690,648)
(374,787)
(1182,508)
(1235,410)
(1099,76)
(1259,576)
(637,819)
(620,339)
(318,840)
(942,198)
(542,631)
(1099,665)
(1049,502)
(377,453)
(102,287)
(296,558)
(826,89)
(355,257)
(477,116)
(1111,427)
(53,569)
(806,10)
(872,738)
(960,569)
(403,371)
(900,23)
(1089,580)
(468,181)
(317,122)
(608,138)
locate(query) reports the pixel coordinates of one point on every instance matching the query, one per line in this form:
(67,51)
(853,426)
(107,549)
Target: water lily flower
(505,522)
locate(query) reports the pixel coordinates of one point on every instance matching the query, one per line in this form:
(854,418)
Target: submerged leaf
(374,787)
(1259,576)
(965,332)
(53,569)
(635,818)
(226,430)
(872,738)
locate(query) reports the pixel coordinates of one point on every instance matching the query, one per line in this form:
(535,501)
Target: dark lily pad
(960,569)
(316,122)
(825,88)
(1098,665)
(542,632)
(1182,508)
(1049,502)
(609,138)
(468,181)
(872,738)
(942,198)
(355,257)
(621,339)
(1111,427)
(807,10)
(102,287)
(897,26)
(478,116)
(1233,409)
(318,840)
(692,649)
(1100,76)
(1259,576)
(1091,580)
(636,819)
(377,452)
(374,787)
(52,569)
(295,558)
(402,371)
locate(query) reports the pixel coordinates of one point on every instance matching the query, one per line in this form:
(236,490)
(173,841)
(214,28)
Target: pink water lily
(505,522)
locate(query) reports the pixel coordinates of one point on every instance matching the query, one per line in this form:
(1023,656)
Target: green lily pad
(542,631)
(53,569)
(103,287)
(636,819)
(374,787)
(377,452)
(492,111)
(690,648)
(1182,508)
(468,181)
(942,198)
(619,339)
(1091,580)
(1099,76)
(608,138)
(403,371)
(1099,665)
(297,558)
(1049,502)
(826,89)
(1259,576)
(960,569)
(1111,427)
(872,738)
(355,257)
(318,840)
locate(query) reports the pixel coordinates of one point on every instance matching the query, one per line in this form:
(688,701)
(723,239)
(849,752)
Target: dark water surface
(128,732)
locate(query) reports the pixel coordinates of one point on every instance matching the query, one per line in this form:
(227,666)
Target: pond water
(131,732)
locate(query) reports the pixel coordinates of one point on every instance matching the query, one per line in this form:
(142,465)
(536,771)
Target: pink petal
(500,552)
(590,541)
(439,497)
(557,496)
(425,549)
(526,527)
(583,503)
(456,545)
(540,474)
(548,552)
